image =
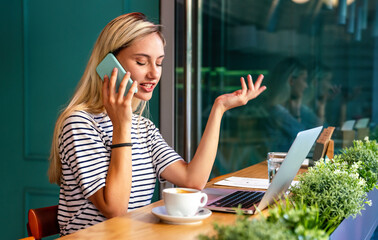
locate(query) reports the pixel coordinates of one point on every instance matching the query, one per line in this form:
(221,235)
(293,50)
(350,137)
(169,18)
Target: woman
(105,157)
(321,91)
(286,84)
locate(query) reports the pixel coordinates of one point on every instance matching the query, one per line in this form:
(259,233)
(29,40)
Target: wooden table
(141,224)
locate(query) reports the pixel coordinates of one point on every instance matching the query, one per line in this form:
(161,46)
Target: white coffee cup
(183,202)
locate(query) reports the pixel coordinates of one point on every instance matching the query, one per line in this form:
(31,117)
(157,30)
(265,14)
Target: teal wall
(44,49)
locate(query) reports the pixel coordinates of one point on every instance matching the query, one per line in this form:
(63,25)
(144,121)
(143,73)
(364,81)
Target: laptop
(226,200)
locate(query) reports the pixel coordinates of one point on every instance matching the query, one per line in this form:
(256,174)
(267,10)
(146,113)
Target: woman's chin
(143,96)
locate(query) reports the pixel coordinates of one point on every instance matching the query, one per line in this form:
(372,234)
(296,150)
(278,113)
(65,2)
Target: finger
(112,83)
(105,89)
(243,85)
(260,90)
(250,82)
(131,92)
(259,81)
(123,85)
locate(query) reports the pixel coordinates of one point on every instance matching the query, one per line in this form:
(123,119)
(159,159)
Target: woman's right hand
(118,106)
(113,199)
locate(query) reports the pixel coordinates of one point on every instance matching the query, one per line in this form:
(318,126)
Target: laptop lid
(281,181)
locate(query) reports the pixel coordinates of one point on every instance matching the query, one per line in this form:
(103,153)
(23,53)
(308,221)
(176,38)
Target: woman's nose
(154,72)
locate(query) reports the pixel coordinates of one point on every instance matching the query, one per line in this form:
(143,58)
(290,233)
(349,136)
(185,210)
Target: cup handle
(203,200)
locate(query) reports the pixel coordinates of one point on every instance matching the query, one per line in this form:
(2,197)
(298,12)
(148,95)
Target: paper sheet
(244,182)
(259,183)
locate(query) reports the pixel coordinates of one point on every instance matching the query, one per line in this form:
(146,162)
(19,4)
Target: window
(319,59)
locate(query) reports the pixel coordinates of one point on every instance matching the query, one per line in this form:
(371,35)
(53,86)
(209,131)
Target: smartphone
(106,67)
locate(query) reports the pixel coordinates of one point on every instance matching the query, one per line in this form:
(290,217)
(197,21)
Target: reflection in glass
(318,72)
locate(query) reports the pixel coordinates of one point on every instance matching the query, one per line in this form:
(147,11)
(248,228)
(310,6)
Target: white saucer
(161,213)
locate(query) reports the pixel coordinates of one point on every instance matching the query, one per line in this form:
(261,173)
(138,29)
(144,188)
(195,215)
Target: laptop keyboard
(244,198)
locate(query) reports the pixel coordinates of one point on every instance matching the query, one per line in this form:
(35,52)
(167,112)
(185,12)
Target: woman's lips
(147,87)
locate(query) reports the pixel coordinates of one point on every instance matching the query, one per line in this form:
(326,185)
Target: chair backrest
(43,222)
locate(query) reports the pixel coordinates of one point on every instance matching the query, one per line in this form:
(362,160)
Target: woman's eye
(141,63)
(159,63)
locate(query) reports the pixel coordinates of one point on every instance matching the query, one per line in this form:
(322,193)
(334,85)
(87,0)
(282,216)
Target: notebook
(226,200)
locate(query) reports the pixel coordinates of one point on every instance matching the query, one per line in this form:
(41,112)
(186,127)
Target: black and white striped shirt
(84,148)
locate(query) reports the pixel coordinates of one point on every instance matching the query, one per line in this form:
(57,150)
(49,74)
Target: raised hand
(118,106)
(241,96)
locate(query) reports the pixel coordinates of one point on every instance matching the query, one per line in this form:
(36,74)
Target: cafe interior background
(45,46)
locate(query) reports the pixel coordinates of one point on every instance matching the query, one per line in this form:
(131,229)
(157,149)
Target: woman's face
(143,59)
(299,84)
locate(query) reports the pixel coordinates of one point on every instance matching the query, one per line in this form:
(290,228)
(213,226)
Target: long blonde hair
(120,33)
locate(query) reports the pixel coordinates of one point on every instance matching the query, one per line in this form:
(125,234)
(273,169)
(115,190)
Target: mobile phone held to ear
(106,67)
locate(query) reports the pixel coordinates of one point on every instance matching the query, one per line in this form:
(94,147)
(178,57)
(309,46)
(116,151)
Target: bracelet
(121,145)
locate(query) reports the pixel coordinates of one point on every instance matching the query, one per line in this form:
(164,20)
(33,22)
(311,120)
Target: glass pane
(318,60)
(179,78)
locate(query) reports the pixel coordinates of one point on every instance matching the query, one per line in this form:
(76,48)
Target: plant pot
(361,227)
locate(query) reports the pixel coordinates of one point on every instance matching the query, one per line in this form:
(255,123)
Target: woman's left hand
(241,96)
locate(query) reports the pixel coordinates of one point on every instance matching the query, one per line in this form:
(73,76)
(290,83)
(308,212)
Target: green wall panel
(58,38)
(44,48)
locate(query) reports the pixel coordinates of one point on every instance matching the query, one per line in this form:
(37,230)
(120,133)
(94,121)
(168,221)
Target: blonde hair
(120,33)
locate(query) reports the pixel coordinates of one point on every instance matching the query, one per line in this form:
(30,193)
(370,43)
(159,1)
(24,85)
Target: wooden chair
(43,222)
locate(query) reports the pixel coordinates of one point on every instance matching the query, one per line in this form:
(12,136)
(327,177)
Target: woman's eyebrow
(146,55)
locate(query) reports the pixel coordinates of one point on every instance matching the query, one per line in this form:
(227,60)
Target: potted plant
(328,196)
(335,188)
(287,220)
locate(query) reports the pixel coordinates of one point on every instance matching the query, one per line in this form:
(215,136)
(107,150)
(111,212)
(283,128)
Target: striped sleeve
(162,154)
(85,153)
